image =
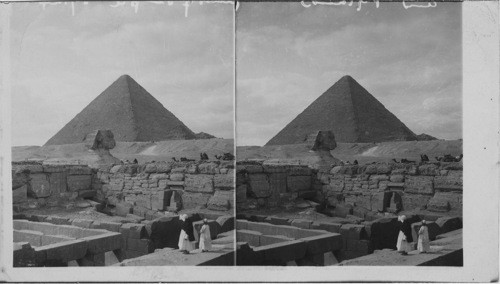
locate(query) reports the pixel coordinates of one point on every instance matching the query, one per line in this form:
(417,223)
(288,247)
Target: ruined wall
(263,185)
(394,187)
(144,190)
(137,237)
(154,187)
(376,187)
(35,185)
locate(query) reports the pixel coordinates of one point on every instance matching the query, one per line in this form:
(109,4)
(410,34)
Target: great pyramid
(129,111)
(350,112)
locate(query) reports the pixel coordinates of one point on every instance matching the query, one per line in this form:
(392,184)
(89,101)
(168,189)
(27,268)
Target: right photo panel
(349,134)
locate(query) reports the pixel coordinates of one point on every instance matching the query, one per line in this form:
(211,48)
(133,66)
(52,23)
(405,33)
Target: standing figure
(186,237)
(205,240)
(404,238)
(423,238)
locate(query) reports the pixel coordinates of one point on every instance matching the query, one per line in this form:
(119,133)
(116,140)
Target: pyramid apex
(346,78)
(124,76)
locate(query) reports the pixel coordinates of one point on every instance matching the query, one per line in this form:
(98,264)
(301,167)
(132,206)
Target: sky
(64,55)
(287,55)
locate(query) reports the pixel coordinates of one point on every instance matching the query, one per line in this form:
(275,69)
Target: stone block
(299,183)
(336,185)
(278,182)
(360,211)
(428,170)
(71,250)
(265,240)
(107,225)
(57,182)
(253,169)
(32,237)
(144,246)
(143,200)
(259,185)
(82,223)
(87,193)
(123,208)
(57,220)
(39,186)
(415,201)
(299,171)
(224,181)
(448,224)
(134,218)
(269,229)
(49,240)
(326,226)
(448,183)
(241,224)
(150,168)
(283,252)
(133,231)
(79,182)
(193,200)
(363,247)
(222,200)
(241,193)
(177,177)
(199,183)
(139,211)
(208,168)
(453,199)
(79,170)
(226,223)
(397,178)
(323,243)
(192,169)
(277,221)
(163,167)
(274,168)
(20,194)
(28,168)
(353,232)
(248,236)
(342,210)
(419,185)
(301,223)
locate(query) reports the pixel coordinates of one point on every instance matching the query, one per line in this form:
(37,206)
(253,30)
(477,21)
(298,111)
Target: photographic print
(232,141)
(349,134)
(122,134)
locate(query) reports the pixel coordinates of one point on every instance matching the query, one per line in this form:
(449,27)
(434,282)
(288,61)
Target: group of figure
(342,163)
(187,239)
(225,157)
(425,159)
(405,238)
(203,156)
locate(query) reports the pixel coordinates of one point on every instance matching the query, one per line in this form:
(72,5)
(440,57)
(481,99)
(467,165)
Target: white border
(481,180)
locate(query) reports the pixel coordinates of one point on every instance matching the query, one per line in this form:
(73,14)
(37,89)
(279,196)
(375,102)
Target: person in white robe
(185,244)
(404,237)
(423,245)
(205,240)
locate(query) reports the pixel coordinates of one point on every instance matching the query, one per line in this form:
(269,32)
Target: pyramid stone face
(129,111)
(350,112)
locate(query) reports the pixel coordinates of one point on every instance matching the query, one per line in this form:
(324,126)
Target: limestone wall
(161,186)
(272,185)
(143,190)
(36,185)
(375,187)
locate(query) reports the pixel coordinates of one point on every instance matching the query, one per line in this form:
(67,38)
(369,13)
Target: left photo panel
(122,133)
